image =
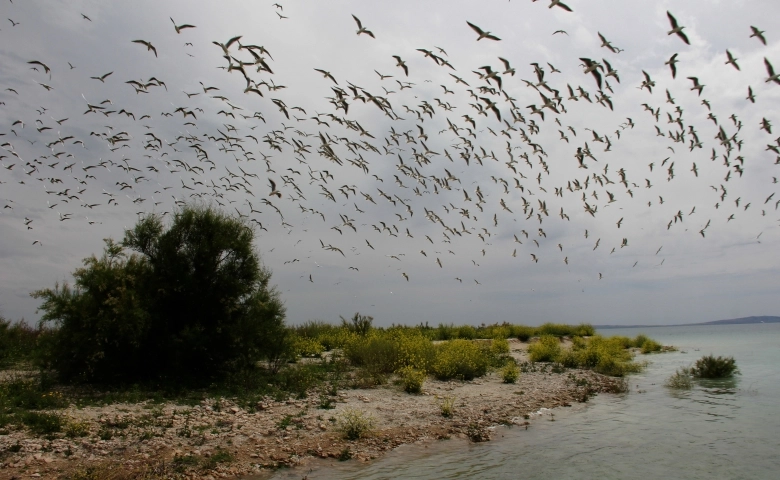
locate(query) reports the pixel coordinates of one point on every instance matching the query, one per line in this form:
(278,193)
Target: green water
(718,430)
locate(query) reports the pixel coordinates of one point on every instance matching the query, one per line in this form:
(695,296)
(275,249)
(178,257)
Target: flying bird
(179,28)
(677,28)
(362,29)
(482,34)
(148,45)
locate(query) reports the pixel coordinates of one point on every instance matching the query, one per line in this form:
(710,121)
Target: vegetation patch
(680,380)
(354,423)
(715,367)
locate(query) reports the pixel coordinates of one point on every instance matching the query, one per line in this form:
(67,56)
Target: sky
(421,205)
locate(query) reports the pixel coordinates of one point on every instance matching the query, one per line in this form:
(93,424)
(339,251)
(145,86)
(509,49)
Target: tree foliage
(189,301)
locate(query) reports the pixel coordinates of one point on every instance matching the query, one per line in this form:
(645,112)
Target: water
(720,429)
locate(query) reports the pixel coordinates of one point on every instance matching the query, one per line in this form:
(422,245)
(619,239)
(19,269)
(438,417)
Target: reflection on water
(721,429)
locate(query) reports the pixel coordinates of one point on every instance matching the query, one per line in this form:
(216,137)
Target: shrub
(447,406)
(377,352)
(639,340)
(77,429)
(305,347)
(650,346)
(42,423)
(510,373)
(522,332)
(712,367)
(681,379)
(467,332)
(17,341)
(354,423)
(461,359)
(359,324)
(546,349)
(192,302)
(411,379)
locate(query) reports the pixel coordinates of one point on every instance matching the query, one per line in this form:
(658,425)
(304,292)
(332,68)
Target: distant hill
(730,321)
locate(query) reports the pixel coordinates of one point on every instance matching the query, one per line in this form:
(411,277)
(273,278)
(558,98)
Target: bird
(773,77)
(696,84)
(274,191)
(148,45)
(402,64)
(362,29)
(558,3)
(482,34)
(759,34)
(102,78)
(672,62)
(731,60)
(327,74)
(179,28)
(677,28)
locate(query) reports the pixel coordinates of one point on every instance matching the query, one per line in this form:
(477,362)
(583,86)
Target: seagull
(148,45)
(274,191)
(557,3)
(732,60)
(672,64)
(401,64)
(102,78)
(179,28)
(482,34)
(677,28)
(773,77)
(362,29)
(759,34)
(327,74)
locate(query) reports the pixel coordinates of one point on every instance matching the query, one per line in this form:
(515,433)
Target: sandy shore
(147,437)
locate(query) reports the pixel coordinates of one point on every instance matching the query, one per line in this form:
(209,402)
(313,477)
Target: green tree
(192,302)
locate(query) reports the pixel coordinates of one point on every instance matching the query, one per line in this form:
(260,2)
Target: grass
(447,406)
(510,373)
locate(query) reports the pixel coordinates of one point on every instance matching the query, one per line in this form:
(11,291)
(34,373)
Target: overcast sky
(55,194)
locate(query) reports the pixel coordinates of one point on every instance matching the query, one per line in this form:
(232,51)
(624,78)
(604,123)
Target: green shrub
(499,347)
(522,332)
(306,347)
(546,349)
(30,394)
(681,379)
(447,406)
(354,423)
(639,340)
(77,429)
(42,423)
(461,359)
(650,346)
(510,373)
(411,379)
(18,341)
(712,367)
(467,332)
(377,352)
(358,324)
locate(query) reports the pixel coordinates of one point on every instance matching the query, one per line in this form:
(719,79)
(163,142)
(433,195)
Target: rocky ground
(217,439)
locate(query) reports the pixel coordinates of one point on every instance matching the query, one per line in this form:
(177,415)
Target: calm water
(726,430)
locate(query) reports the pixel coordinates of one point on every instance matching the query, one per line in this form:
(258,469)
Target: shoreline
(175,440)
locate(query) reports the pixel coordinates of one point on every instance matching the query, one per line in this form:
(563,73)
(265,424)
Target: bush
(461,359)
(192,303)
(42,423)
(447,406)
(359,324)
(522,333)
(510,373)
(17,341)
(467,332)
(650,346)
(681,379)
(546,349)
(712,367)
(411,379)
(354,423)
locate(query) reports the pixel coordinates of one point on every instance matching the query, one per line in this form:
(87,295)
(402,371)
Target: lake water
(718,430)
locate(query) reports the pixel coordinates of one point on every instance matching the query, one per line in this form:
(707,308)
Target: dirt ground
(220,440)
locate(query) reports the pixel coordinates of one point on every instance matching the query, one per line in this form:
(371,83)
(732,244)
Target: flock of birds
(413,168)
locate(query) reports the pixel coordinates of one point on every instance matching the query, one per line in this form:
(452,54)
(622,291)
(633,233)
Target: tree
(201,304)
